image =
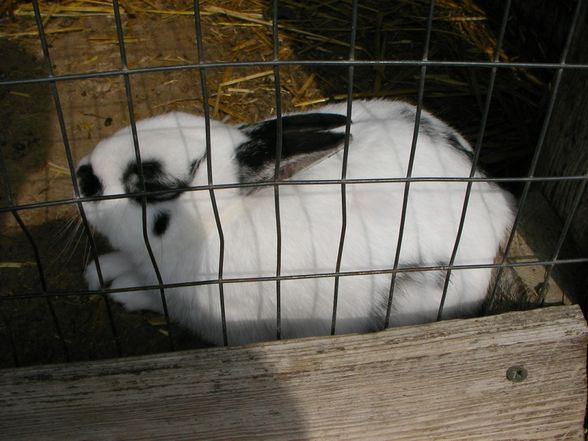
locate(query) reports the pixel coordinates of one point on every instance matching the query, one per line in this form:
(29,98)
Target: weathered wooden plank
(444,380)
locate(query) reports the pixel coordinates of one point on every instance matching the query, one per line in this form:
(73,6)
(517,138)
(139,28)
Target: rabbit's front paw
(135,300)
(112,265)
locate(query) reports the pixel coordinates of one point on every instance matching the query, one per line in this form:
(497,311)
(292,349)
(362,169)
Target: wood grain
(444,380)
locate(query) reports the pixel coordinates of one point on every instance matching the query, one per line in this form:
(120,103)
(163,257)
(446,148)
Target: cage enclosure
(510,82)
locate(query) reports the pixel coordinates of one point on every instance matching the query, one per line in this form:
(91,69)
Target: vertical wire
(562,237)
(344,165)
(206,109)
(129,96)
(71,167)
(537,153)
(475,159)
(65,138)
(415,135)
(278,94)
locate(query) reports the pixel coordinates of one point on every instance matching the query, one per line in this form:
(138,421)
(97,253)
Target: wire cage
(351,63)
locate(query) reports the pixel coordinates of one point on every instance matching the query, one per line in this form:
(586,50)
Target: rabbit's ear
(306,138)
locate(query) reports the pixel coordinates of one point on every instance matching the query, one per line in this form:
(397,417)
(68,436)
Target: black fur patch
(427,127)
(90,185)
(305,122)
(408,112)
(195,164)
(301,134)
(156,180)
(161,223)
(453,141)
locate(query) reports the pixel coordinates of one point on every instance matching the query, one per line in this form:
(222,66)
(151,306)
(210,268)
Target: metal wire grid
(202,66)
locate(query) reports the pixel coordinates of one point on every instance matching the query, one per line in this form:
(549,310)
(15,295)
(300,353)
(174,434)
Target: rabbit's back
(311,222)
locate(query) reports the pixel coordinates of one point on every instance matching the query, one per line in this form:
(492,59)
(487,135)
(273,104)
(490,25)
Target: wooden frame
(445,380)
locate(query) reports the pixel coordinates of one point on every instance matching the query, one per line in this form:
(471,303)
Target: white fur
(310,224)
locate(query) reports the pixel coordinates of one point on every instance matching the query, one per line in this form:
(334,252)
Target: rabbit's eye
(155,179)
(90,185)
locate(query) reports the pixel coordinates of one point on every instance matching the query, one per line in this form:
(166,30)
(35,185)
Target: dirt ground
(35,169)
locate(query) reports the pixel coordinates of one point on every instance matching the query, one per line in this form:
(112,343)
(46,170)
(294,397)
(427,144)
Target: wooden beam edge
(568,318)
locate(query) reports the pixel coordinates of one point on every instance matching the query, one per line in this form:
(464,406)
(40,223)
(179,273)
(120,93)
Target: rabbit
(185,240)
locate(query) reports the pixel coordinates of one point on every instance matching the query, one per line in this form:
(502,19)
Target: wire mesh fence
(350,63)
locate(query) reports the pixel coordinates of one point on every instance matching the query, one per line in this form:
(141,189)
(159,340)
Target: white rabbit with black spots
(184,237)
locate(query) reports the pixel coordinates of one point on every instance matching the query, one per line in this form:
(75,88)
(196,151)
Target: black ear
(156,180)
(307,137)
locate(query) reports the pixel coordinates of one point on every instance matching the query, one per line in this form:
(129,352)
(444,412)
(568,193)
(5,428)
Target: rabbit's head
(173,157)
(172,151)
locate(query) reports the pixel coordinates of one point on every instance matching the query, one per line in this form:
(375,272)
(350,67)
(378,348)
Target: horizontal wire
(271,183)
(305,276)
(272,63)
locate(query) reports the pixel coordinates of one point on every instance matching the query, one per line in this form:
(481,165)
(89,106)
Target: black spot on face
(90,185)
(155,179)
(161,223)
(152,170)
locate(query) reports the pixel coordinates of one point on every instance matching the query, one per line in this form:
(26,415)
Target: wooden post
(445,380)
(565,151)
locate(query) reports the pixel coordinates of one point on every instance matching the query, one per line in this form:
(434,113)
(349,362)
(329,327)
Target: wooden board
(537,238)
(444,380)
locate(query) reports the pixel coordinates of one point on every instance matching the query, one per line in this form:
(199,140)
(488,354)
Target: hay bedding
(82,38)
